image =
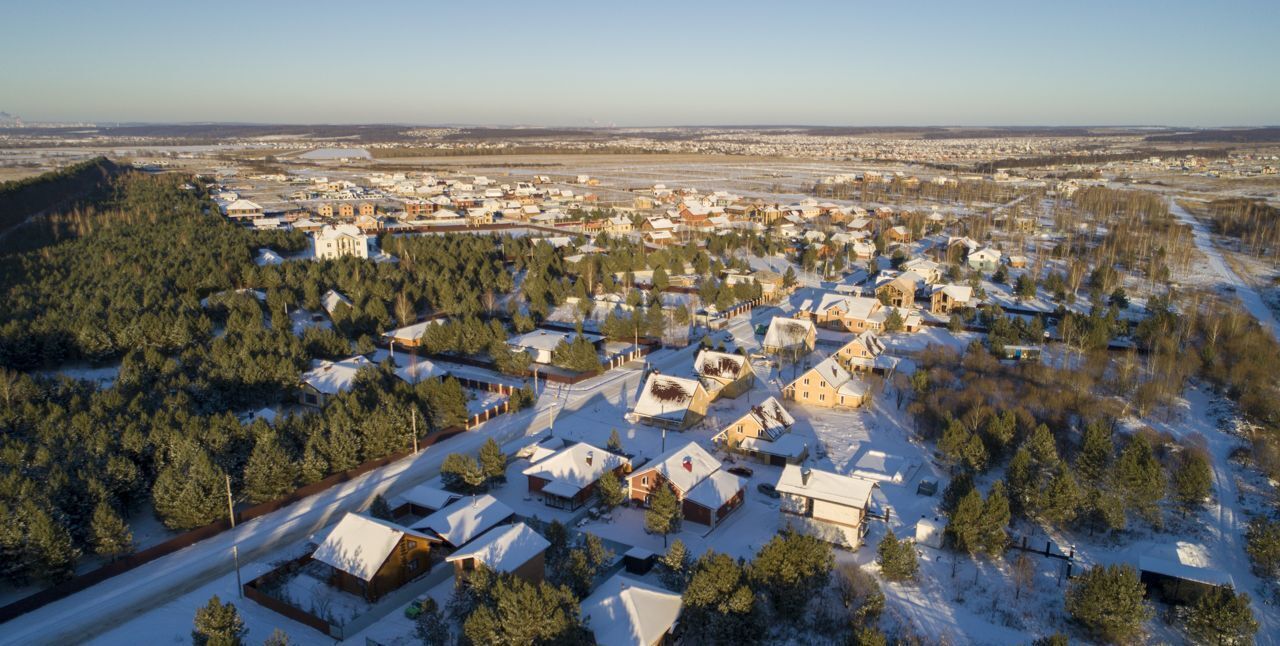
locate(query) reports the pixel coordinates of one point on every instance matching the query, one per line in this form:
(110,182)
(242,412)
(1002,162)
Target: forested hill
(131,275)
(59,190)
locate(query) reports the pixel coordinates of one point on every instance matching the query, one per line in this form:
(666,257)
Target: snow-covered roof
(824,485)
(331,299)
(780,332)
(715,490)
(429,497)
(503,549)
(685,466)
(412,332)
(359,545)
(341,231)
(243,205)
(333,377)
(719,365)
(787,446)
(575,467)
(465,519)
(666,397)
(958,293)
(420,371)
(771,416)
(830,370)
(1183,571)
(625,612)
(547,340)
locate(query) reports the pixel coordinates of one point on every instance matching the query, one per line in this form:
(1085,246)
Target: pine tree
(964,525)
(975,454)
(995,519)
(1192,479)
(51,544)
(719,605)
(676,562)
(956,490)
(615,442)
(315,466)
(1042,447)
(663,516)
(1108,602)
(954,440)
(492,462)
(190,491)
(514,611)
(1058,500)
(1140,478)
(1263,545)
(897,558)
(218,624)
(1020,475)
(380,508)
(1220,617)
(1095,453)
(270,473)
(111,535)
(609,490)
(460,472)
(790,569)
(431,628)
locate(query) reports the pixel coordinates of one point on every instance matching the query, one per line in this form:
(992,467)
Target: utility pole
(413,412)
(235,549)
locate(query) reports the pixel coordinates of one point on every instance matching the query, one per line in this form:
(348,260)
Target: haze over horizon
(663,64)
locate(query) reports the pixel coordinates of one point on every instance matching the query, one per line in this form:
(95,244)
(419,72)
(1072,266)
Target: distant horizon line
(529,126)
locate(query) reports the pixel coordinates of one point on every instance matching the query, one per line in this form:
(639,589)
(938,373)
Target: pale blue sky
(644,63)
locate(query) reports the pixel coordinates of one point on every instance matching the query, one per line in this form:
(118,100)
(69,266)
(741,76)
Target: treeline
(900,190)
(1254,222)
(1097,158)
(81,182)
(75,462)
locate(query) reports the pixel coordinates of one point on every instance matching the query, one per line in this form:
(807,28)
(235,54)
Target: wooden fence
(186,539)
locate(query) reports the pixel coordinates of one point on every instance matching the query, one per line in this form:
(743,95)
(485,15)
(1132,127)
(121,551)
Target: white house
(342,240)
(627,612)
(826,505)
(328,378)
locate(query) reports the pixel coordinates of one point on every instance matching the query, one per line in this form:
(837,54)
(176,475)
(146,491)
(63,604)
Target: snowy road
(1248,295)
(85,614)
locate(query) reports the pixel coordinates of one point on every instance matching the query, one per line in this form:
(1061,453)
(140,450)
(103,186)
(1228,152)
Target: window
(412,565)
(806,382)
(822,398)
(644,480)
(409,545)
(804,395)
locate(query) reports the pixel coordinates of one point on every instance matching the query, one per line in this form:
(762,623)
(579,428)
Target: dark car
(741,471)
(768,490)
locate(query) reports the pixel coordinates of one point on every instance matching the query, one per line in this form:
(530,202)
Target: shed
(929,532)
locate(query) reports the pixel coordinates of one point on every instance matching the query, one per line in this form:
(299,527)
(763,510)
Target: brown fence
(251,590)
(186,539)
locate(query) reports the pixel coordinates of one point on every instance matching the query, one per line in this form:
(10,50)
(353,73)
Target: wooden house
(724,374)
(371,557)
(763,434)
(567,478)
(828,385)
(707,493)
(508,549)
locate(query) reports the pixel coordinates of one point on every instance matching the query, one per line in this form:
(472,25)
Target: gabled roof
(503,549)
(958,293)
(243,205)
(429,497)
(666,397)
(333,377)
(672,466)
(719,365)
(576,466)
(462,521)
(782,333)
(771,416)
(331,299)
(868,340)
(826,486)
(715,490)
(625,612)
(359,545)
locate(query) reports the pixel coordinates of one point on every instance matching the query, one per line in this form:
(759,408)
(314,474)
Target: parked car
(741,471)
(768,490)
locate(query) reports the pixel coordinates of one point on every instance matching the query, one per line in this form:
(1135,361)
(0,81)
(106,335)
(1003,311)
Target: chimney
(688,464)
(804,475)
(590,455)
